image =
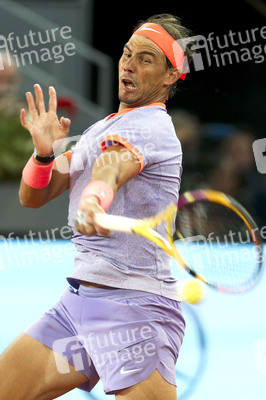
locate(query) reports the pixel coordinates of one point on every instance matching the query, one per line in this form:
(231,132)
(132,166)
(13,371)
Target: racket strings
(218,245)
(205,218)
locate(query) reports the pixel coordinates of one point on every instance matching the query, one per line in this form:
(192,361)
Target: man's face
(142,73)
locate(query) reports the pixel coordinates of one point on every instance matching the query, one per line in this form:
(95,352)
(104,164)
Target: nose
(129,65)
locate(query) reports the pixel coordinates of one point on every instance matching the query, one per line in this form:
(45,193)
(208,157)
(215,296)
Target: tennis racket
(215,238)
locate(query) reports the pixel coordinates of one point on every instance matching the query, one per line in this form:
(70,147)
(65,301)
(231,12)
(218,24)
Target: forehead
(139,43)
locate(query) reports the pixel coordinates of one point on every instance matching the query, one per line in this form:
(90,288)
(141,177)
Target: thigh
(28,371)
(155,387)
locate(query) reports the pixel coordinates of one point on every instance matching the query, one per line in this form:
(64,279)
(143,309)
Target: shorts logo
(124,372)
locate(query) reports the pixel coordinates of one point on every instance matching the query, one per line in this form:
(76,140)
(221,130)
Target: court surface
(32,277)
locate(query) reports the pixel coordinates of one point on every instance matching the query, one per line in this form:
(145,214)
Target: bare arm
(35,198)
(45,129)
(115,166)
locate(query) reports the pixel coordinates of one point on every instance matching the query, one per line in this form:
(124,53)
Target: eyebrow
(142,52)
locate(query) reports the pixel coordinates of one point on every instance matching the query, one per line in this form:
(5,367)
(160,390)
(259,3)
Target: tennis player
(120,320)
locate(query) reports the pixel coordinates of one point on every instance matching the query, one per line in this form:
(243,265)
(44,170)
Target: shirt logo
(128,371)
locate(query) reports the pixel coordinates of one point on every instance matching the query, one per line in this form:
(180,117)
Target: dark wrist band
(44,160)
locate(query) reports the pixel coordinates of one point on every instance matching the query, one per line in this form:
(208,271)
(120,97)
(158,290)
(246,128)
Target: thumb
(65,123)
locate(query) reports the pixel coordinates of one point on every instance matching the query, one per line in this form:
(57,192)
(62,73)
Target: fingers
(85,223)
(38,108)
(32,107)
(85,228)
(39,99)
(23,119)
(90,228)
(101,230)
(52,99)
(65,124)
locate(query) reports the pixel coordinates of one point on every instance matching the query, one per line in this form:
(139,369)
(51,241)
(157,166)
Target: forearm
(115,166)
(35,198)
(108,174)
(32,198)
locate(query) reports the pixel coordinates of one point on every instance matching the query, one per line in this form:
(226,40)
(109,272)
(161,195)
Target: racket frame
(146,228)
(235,206)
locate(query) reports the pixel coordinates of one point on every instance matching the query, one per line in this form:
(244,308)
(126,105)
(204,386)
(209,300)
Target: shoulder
(150,118)
(157,121)
(143,126)
(150,111)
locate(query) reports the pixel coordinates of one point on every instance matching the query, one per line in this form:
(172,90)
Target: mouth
(128,84)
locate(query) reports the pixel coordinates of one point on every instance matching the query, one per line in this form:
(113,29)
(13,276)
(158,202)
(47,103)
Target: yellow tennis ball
(192,291)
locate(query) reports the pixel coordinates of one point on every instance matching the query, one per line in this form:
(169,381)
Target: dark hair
(173,26)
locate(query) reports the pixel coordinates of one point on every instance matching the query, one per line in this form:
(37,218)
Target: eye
(146,60)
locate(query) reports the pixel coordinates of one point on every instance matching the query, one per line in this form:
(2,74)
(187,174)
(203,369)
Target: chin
(127,100)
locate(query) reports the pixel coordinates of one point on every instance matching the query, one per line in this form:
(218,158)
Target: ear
(172,76)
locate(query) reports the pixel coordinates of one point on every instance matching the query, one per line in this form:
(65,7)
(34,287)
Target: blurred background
(218,112)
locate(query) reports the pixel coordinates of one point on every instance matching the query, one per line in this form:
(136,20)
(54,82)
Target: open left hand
(44,127)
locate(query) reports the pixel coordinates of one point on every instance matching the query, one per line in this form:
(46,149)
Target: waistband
(111,292)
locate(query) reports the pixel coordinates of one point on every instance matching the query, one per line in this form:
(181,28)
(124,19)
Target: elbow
(28,202)
(29,205)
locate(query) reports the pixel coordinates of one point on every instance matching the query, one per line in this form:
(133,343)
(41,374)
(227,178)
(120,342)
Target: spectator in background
(220,163)
(189,132)
(15,142)
(236,174)
(9,78)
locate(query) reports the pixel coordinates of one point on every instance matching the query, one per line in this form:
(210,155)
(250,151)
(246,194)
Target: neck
(158,103)
(123,106)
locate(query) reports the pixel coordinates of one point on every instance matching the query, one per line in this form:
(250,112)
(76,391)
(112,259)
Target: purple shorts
(119,336)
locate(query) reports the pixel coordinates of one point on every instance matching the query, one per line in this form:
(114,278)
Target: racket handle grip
(107,221)
(114,222)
